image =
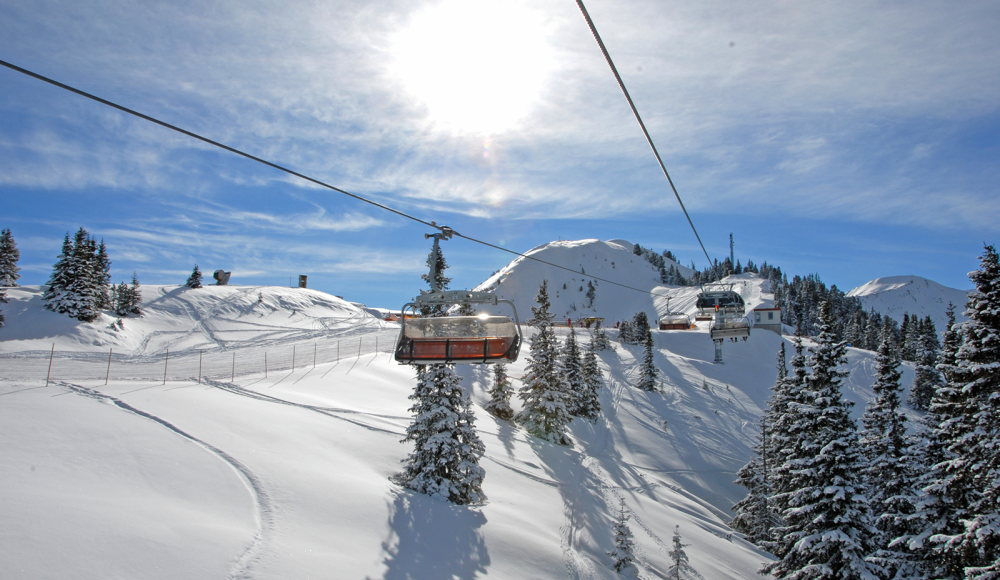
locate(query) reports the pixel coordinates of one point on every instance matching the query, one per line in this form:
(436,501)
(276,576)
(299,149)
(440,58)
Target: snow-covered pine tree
(589,402)
(601,341)
(640,327)
(446,450)
(785,443)
(122,299)
(84,289)
(647,372)
(545,413)
(828,533)
(135,295)
(754,516)
(889,472)
(102,277)
(440,265)
(938,517)
(926,379)
(499,403)
(626,332)
(55,296)
(624,553)
(9,255)
(681,567)
(465,310)
(194,280)
(571,365)
(977,462)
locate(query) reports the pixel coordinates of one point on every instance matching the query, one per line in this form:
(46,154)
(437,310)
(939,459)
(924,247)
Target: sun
(479,66)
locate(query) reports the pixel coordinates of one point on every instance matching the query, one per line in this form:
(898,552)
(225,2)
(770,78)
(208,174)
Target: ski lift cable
(193,135)
(635,111)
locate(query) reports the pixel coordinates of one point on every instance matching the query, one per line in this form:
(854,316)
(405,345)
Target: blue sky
(851,139)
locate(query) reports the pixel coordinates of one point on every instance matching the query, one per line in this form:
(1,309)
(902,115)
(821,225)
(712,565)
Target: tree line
(887,501)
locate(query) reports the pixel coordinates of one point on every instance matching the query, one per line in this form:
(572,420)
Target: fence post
(233,380)
(265,364)
(51,354)
(108,376)
(293,358)
(338,351)
(200,353)
(314,355)
(360,338)
(165,361)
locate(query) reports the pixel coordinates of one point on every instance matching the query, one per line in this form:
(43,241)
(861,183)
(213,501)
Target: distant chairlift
(727,311)
(674,320)
(456,339)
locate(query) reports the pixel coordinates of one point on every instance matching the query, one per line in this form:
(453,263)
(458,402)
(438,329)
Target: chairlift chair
(478,339)
(719,299)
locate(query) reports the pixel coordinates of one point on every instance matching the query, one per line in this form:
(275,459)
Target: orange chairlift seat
(458,339)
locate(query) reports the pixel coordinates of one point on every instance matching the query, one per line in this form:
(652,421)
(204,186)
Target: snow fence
(190,364)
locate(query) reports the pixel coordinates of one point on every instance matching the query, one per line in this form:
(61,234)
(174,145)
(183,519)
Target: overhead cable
(309,179)
(642,125)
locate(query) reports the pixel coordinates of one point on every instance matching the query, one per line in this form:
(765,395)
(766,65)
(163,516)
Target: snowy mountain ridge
(895,295)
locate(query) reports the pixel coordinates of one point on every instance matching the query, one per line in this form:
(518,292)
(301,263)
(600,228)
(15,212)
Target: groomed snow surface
(288,476)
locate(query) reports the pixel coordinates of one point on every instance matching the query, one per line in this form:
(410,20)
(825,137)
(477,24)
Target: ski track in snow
(328,411)
(264,512)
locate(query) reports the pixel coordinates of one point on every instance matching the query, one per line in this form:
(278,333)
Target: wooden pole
(51,354)
(165,361)
(265,364)
(200,353)
(293,358)
(233,380)
(314,355)
(360,338)
(108,376)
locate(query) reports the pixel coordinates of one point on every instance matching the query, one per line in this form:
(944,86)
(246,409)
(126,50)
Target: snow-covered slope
(895,295)
(184,319)
(611,260)
(286,476)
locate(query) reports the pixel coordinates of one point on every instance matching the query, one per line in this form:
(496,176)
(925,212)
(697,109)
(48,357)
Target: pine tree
(135,295)
(624,552)
(122,299)
(55,291)
(589,401)
(545,413)
(446,450)
(440,265)
(102,277)
(499,403)
(601,341)
(626,332)
(572,370)
(927,379)
(194,280)
(681,567)
(754,514)
(3,300)
(827,532)
(889,471)
(9,256)
(942,501)
(73,288)
(647,373)
(977,463)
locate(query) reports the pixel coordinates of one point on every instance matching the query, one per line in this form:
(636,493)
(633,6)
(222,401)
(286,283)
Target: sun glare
(477,65)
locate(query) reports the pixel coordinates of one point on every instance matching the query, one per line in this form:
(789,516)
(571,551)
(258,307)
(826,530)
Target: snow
(288,476)
(894,295)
